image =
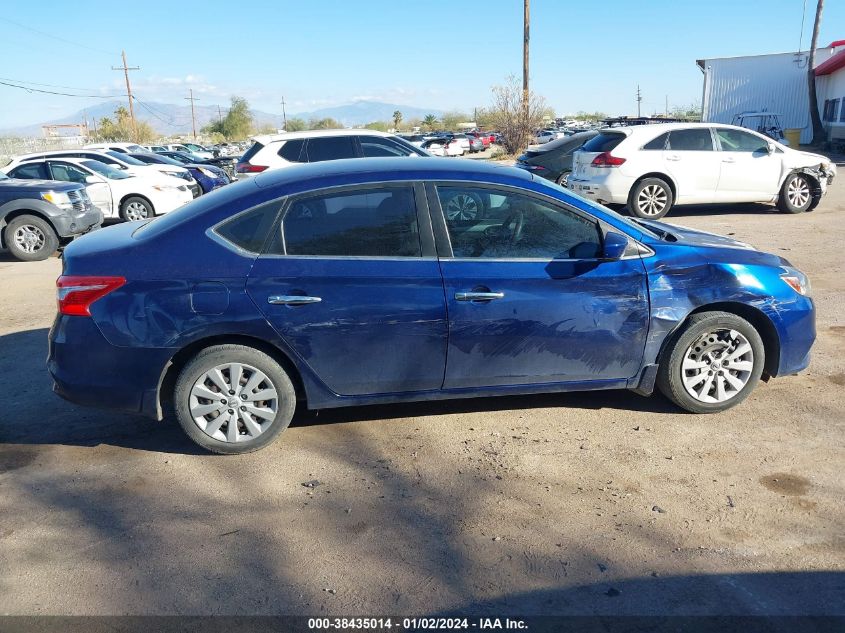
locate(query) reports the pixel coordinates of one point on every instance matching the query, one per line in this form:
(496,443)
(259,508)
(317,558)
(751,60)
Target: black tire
(564,178)
(464,206)
(670,375)
(30,238)
(650,199)
(250,358)
(136,208)
(796,194)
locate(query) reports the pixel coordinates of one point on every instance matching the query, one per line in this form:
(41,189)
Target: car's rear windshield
(126,158)
(252,151)
(604,142)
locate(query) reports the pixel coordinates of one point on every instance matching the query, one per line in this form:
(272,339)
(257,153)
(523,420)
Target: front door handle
(673,157)
(728,160)
(292,300)
(478,296)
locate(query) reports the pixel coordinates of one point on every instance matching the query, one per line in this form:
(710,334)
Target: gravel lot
(596,503)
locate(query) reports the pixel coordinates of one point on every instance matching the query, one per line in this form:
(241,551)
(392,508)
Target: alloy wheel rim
(563,181)
(29,238)
(798,192)
(652,200)
(233,402)
(136,211)
(462,207)
(717,366)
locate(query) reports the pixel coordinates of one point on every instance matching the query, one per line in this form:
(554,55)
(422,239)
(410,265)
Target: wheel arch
(135,195)
(756,317)
(167,380)
(16,213)
(656,174)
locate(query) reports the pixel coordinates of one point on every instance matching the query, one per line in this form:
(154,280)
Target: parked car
(345,283)
(651,168)
(553,161)
(226,163)
(37,217)
(463,141)
(443,146)
(117,160)
(208,177)
(284,150)
(155,148)
(115,192)
(544,136)
(120,148)
(475,144)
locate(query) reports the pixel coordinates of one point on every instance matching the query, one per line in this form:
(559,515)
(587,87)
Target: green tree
(397,119)
(324,124)
(381,126)
(453,118)
(121,129)
(295,124)
(690,112)
(430,121)
(236,125)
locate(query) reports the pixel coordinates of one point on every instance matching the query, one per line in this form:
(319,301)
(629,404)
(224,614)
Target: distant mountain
(170,120)
(362,112)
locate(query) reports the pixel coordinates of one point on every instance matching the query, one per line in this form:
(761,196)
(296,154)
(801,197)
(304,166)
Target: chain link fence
(14,146)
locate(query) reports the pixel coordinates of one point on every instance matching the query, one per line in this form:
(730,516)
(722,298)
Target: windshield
(3,176)
(123,157)
(105,170)
(195,147)
(180,158)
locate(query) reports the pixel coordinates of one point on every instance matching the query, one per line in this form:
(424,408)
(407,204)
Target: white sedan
(115,192)
(443,147)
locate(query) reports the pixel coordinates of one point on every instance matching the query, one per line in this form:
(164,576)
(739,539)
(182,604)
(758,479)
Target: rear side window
(604,142)
(252,151)
(330,148)
(364,223)
(659,143)
(692,140)
(372,146)
(31,171)
(250,230)
(292,150)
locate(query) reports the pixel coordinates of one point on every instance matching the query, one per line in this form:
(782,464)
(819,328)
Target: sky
(443,54)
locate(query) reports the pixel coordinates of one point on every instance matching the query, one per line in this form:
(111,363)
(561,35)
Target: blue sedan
(209,177)
(367,281)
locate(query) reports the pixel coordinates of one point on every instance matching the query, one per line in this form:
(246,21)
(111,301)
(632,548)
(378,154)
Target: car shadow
(41,417)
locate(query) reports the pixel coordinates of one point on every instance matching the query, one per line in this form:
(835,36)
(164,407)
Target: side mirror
(614,245)
(92,180)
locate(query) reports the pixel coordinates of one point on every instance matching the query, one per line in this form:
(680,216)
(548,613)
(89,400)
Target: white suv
(282,150)
(653,167)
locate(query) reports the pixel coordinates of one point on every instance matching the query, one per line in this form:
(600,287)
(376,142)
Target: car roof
(398,168)
(658,128)
(264,139)
(60,152)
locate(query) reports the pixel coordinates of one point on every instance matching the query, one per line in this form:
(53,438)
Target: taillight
(249,168)
(606,159)
(76,293)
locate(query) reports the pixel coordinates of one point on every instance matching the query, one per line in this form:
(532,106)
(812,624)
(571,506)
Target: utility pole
(818,127)
(666,109)
(126,70)
(192,98)
(639,100)
(284,116)
(219,115)
(526,23)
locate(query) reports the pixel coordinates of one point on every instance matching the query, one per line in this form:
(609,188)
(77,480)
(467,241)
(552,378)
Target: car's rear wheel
(30,238)
(463,207)
(563,179)
(233,399)
(650,199)
(136,208)
(796,195)
(712,364)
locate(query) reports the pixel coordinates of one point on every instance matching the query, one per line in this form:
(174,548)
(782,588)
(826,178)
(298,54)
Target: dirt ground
(600,503)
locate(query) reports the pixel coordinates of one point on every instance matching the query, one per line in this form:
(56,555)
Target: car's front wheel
(233,399)
(650,199)
(136,208)
(712,364)
(796,195)
(30,238)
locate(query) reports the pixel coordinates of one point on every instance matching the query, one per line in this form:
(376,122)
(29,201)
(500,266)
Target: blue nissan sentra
(368,281)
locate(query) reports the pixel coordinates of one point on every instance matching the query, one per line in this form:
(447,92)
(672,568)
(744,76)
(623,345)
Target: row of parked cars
(453,143)
(47,198)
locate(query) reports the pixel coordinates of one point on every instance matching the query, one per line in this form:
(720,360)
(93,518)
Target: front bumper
(74,223)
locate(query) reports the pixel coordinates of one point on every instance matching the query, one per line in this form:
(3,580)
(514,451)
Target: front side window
(330,148)
(67,173)
(376,222)
(693,140)
(500,224)
(739,141)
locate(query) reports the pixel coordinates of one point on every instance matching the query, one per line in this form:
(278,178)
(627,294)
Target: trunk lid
(582,158)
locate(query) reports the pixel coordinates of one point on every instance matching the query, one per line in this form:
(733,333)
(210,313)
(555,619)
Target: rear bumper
(88,370)
(611,188)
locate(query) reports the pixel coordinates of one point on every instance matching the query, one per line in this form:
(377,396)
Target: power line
(53,92)
(56,37)
(35,83)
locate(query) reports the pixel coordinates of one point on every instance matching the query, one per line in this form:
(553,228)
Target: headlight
(796,280)
(184,175)
(207,172)
(58,198)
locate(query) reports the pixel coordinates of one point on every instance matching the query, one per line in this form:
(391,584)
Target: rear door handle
(673,157)
(292,300)
(728,160)
(478,296)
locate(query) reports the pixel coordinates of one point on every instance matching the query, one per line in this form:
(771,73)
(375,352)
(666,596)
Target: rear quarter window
(291,151)
(250,230)
(252,151)
(604,142)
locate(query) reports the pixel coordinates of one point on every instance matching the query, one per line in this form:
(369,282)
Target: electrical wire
(60,39)
(35,83)
(53,92)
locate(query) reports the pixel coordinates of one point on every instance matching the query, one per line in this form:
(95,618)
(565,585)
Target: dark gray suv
(37,216)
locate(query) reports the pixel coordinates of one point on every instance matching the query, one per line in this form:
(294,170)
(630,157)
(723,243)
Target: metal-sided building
(776,83)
